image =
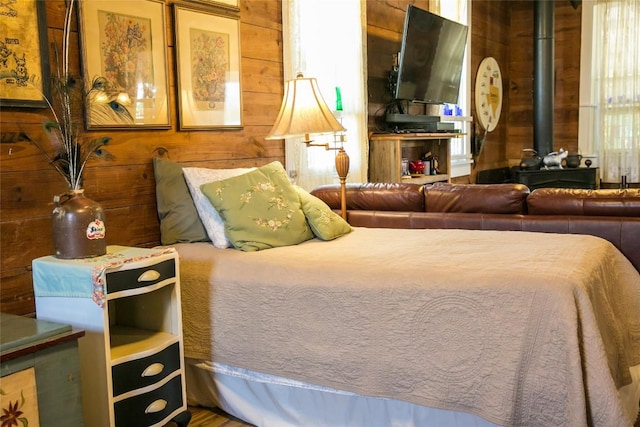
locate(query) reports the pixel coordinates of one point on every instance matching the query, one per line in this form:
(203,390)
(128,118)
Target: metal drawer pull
(156,406)
(153,369)
(149,276)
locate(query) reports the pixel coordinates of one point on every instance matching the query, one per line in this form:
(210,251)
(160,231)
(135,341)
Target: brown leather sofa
(610,214)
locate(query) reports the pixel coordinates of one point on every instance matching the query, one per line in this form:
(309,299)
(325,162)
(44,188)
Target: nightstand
(131,357)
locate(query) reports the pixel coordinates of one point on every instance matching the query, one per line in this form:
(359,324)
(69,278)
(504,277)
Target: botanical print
(209,68)
(20,66)
(19,399)
(124,59)
(125,44)
(126,85)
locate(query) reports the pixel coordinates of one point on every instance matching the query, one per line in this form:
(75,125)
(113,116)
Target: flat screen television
(431,58)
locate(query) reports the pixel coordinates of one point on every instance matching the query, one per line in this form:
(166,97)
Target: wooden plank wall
(490,37)
(125,186)
(502,29)
(385,23)
(567,77)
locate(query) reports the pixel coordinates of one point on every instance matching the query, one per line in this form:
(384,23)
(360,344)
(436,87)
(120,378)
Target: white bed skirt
(270,401)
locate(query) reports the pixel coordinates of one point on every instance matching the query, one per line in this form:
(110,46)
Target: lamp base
(342,167)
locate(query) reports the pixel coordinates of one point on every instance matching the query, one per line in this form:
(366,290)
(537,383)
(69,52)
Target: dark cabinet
(557,178)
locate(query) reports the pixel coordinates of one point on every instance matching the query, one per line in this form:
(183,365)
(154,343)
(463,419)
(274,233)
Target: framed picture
(233,4)
(24,58)
(124,52)
(208,69)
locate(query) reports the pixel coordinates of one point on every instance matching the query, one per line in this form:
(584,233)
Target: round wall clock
(488,93)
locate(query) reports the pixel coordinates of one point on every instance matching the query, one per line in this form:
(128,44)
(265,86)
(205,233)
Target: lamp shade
(303,111)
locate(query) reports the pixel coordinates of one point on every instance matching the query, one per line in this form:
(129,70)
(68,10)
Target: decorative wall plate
(488,93)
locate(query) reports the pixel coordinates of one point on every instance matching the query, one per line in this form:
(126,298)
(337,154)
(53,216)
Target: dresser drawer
(149,408)
(140,277)
(145,371)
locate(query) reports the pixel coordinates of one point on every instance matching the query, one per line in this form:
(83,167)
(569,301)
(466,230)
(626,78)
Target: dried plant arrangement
(65,147)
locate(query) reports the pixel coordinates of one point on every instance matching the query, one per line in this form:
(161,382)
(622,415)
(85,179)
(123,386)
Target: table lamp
(304,112)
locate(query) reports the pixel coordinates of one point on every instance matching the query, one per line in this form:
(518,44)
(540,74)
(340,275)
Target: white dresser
(131,357)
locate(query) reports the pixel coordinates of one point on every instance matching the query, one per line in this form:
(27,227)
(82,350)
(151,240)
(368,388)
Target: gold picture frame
(207,44)
(231,4)
(124,53)
(25,76)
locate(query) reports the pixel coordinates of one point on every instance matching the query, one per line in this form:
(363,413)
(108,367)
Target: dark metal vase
(78,226)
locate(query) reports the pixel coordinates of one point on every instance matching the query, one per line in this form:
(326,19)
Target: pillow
(325,223)
(179,220)
(214,225)
(260,209)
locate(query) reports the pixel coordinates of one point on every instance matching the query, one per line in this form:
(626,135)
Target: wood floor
(207,417)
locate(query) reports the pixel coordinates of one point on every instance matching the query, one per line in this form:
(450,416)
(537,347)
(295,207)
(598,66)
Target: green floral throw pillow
(325,223)
(260,209)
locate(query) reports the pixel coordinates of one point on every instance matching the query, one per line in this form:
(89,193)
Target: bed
(413,327)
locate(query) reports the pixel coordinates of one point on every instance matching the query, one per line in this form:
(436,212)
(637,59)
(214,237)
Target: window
(325,39)
(610,88)
(460,10)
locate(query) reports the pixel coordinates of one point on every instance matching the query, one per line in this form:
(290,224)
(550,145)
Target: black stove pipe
(543,76)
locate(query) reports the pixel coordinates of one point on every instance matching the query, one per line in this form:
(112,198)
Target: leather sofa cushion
(374,196)
(563,201)
(476,198)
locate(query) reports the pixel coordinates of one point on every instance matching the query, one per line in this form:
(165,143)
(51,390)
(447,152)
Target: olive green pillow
(260,209)
(324,222)
(179,220)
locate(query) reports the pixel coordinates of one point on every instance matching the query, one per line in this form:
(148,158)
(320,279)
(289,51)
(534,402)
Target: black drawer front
(128,376)
(128,279)
(131,412)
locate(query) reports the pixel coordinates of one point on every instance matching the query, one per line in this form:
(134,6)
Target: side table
(132,357)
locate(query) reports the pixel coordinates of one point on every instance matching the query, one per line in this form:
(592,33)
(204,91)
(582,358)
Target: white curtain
(616,75)
(326,39)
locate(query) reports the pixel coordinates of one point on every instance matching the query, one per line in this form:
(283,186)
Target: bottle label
(96,230)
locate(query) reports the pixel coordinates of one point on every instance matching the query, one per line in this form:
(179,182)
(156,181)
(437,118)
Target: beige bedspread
(519,328)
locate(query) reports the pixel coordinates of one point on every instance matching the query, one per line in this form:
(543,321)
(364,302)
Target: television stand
(387,151)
